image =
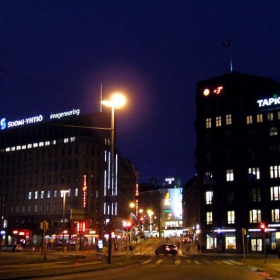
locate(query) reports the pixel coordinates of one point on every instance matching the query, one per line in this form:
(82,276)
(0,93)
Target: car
(166,249)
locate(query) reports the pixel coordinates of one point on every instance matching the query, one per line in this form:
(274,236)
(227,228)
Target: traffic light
(263,227)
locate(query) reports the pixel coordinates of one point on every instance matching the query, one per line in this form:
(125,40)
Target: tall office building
(238,162)
(58,172)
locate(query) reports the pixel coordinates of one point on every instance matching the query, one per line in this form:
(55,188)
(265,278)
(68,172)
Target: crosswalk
(190,262)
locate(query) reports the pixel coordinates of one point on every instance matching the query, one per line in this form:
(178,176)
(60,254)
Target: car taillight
(167,249)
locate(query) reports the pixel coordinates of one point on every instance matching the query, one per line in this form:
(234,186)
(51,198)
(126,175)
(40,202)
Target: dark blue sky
(55,54)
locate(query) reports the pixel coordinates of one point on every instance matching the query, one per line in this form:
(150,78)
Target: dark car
(166,249)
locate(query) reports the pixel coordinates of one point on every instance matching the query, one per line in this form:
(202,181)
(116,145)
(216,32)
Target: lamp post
(63,193)
(117,100)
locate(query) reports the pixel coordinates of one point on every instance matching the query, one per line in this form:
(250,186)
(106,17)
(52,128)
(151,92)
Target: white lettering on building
(65,114)
(268,101)
(25,121)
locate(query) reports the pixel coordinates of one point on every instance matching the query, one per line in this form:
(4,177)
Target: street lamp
(117,100)
(150,214)
(63,193)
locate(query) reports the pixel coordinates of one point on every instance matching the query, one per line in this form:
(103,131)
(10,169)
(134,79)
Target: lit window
(275,193)
(219,121)
(36,195)
(209,196)
(48,194)
(275,171)
(249,119)
(55,193)
(273,131)
(255,216)
(29,195)
(42,195)
(76,192)
(228,119)
(259,118)
(255,171)
(270,116)
(229,175)
(208,123)
(231,217)
(209,218)
(275,217)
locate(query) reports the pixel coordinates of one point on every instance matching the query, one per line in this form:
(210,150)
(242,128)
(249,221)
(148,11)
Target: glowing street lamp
(117,101)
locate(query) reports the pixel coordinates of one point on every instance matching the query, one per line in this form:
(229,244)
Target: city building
(161,208)
(237,162)
(54,180)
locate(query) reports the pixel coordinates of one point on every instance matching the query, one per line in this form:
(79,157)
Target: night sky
(54,55)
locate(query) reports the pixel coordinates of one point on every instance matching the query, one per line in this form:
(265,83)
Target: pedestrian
(198,248)
(130,248)
(14,247)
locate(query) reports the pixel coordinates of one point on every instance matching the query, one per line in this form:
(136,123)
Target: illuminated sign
(275,100)
(169,180)
(65,114)
(216,90)
(85,191)
(32,120)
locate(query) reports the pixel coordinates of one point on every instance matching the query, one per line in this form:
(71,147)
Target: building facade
(237,161)
(58,172)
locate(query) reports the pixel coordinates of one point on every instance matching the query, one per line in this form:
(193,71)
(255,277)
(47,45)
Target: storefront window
(230,241)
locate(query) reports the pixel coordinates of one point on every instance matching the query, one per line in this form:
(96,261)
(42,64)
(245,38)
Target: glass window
(36,195)
(209,196)
(270,116)
(255,171)
(42,195)
(228,119)
(76,192)
(209,218)
(273,131)
(275,193)
(229,175)
(249,119)
(255,194)
(275,171)
(259,118)
(231,217)
(208,123)
(218,121)
(54,193)
(29,195)
(275,217)
(255,216)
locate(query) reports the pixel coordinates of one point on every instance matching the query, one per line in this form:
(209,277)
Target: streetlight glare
(117,101)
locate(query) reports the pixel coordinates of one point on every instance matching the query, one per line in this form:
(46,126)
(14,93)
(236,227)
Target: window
(255,194)
(42,195)
(275,217)
(48,207)
(228,119)
(55,193)
(231,217)
(35,208)
(49,194)
(255,216)
(255,171)
(36,195)
(218,121)
(209,218)
(229,175)
(259,118)
(249,119)
(275,171)
(209,197)
(278,114)
(29,195)
(270,116)
(273,131)
(76,192)
(275,193)
(208,123)
(41,208)
(54,207)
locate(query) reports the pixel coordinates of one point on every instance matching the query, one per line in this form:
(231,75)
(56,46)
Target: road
(179,267)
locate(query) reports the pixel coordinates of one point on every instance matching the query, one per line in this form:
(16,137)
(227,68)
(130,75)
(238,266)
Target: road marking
(237,263)
(188,261)
(177,262)
(208,262)
(227,262)
(158,261)
(196,262)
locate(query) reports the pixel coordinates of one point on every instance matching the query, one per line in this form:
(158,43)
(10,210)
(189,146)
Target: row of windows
(254,195)
(49,194)
(46,166)
(48,208)
(249,119)
(254,216)
(253,173)
(8,157)
(45,180)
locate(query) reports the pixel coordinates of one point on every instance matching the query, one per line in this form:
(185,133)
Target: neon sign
(4,124)
(85,191)
(217,90)
(275,100)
